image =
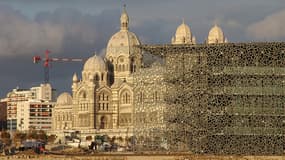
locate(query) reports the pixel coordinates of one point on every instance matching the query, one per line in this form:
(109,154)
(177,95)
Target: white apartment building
(34,115)
(42,94)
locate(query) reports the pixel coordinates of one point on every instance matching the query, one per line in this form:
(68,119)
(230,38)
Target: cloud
(19,35)
(271,27)
(83,34)
(62,31)
(66,32)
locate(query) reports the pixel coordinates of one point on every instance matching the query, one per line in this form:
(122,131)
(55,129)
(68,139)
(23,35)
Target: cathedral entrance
(103,122)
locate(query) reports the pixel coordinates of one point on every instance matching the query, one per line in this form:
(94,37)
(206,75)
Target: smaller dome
(95,63)
(183,30)
(64,99)
(216,35)
(183,35)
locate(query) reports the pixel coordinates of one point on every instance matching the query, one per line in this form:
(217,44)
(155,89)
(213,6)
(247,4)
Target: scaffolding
(219,98)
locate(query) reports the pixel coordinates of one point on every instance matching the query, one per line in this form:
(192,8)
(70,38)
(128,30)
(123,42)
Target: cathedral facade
(102,101)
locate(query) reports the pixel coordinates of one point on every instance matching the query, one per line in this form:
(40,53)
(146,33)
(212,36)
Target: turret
(74,82)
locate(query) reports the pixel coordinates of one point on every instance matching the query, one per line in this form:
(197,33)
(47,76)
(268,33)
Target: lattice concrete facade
(149,89)
(220,98)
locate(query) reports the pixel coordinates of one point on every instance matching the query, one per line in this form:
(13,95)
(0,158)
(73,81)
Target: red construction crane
(47,60)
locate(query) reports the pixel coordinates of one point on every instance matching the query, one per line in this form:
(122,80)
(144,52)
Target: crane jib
(47,60)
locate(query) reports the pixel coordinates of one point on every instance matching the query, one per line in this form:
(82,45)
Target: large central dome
(123,38)
(122,42)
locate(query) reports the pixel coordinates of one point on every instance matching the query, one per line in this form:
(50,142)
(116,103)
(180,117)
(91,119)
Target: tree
(32,134)
(89,138)
(5,134)
(5,137)
(99,139)
(41,136)
(106,138)
(19,136)
(51,138)
(120,140)
(113,139)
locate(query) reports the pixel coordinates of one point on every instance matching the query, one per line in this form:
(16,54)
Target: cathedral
(102,101)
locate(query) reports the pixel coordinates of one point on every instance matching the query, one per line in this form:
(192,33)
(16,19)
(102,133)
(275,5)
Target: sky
(82,28)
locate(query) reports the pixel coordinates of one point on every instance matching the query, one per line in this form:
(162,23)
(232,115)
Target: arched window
(126,98)
(132,65)
(82,94)
(111,59)
(134,68)
(119,67)
(103,101)
(103,122)
(97,77)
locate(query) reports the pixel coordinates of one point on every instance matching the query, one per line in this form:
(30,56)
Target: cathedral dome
(95,63)
(183,35)
(183,31)
(64,99)
(123,40)
(216,35)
